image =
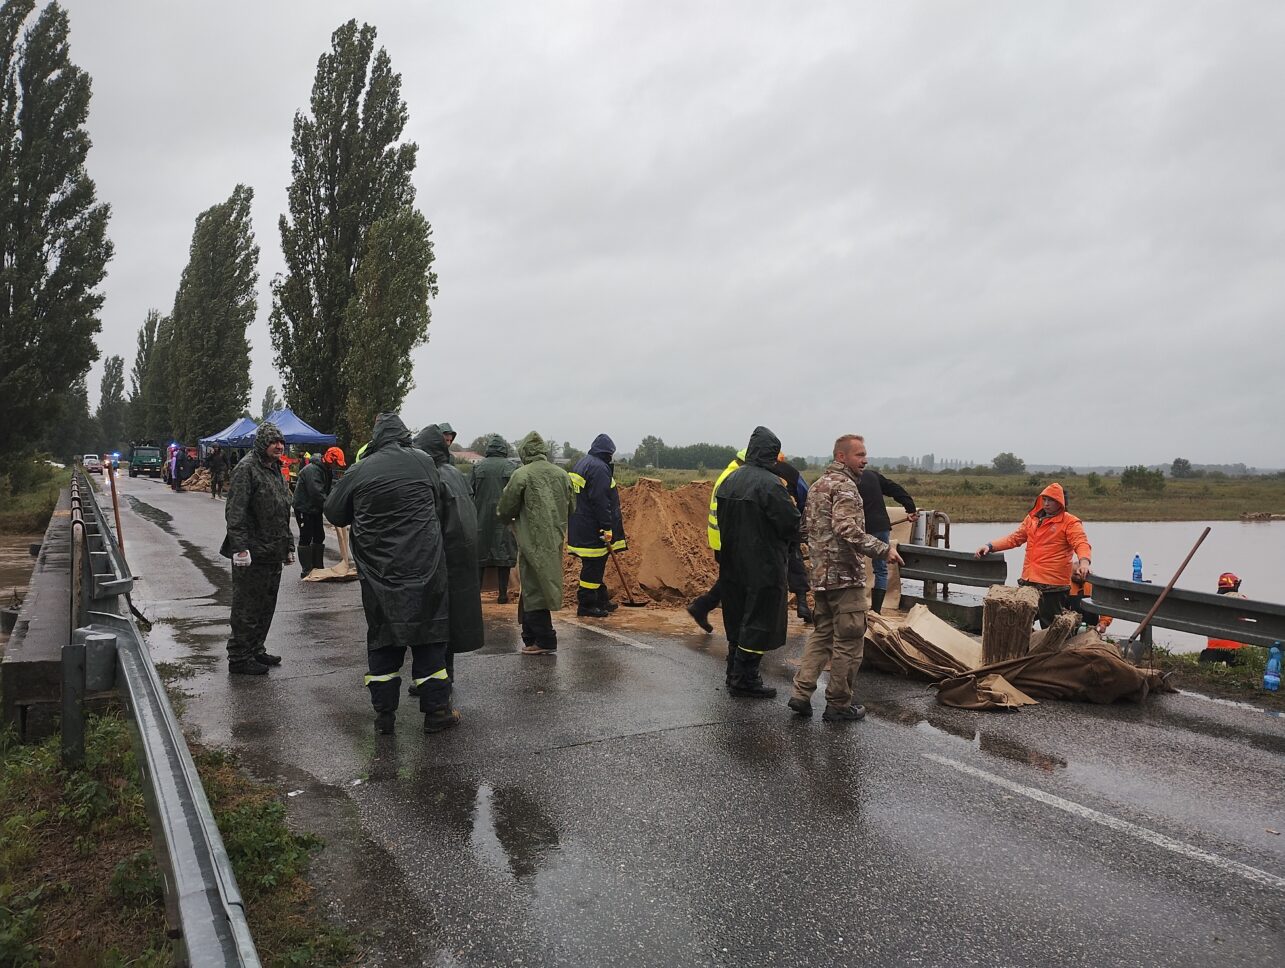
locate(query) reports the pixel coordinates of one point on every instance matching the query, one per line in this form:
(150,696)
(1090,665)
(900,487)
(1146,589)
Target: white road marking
(608,633)
(1115,823)
(1234,704)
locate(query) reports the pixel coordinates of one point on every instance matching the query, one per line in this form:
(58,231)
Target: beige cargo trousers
(838,637)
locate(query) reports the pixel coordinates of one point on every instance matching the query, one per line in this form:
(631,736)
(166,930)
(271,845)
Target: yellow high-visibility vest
(711,530)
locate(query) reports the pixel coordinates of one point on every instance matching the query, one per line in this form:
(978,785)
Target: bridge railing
(204,908)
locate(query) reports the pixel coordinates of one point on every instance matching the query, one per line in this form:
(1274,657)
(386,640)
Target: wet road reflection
(987,742)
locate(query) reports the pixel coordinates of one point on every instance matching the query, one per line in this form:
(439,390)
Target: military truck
(145,460)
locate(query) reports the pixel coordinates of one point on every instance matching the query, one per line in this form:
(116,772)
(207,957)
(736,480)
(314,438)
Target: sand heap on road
(668,562)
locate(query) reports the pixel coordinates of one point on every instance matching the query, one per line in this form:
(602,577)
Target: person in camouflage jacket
(837,542)
(260,543)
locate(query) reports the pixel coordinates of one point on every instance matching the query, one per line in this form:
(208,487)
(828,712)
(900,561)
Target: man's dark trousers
(254,601)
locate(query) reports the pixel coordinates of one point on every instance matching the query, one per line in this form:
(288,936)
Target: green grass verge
(78,883)
(1243,682)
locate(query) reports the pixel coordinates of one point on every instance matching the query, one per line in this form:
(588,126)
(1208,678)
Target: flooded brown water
(15,564)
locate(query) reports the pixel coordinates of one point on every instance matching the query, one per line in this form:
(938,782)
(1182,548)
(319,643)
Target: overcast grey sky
(1051,228)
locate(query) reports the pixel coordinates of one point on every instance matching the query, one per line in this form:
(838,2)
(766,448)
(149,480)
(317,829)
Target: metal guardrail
(1202,613)
(927,563)
(204,908)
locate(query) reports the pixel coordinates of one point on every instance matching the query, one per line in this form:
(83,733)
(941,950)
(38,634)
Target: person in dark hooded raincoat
(596,529)
(393,499)
(757,521)
(459,533)
(539,498)
(260,543)
(496,546)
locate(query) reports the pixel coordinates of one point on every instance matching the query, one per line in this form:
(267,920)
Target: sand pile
(668,562)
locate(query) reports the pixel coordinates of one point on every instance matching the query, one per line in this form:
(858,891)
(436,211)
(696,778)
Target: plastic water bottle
(1272,677)
(1137,567)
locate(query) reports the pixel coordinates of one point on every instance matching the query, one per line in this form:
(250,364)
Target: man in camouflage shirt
(837,540)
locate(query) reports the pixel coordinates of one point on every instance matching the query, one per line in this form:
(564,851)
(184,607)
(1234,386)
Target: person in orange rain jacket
(1053,536)
(1225,650)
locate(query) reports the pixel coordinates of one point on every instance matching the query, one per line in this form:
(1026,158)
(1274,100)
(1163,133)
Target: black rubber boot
(304,554)
(604,600)
(747,682)
(731,664)
(804,611)
(699,611)
(876,599)
(247,667)
(502,585)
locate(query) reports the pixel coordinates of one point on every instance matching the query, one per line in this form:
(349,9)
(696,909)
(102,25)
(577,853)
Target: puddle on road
(986,742)
(506,827)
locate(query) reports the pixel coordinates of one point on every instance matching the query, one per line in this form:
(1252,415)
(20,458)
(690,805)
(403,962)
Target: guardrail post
(100,661)
(73,704)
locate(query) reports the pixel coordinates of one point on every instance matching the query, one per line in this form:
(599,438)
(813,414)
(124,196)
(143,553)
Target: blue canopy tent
(239,427)
(294,430)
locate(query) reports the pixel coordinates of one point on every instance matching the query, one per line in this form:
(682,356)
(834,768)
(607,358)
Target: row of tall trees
(346,315)
(53,235)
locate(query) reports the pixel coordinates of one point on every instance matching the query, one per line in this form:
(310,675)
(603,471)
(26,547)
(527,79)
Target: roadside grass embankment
(78,883)
(28,495)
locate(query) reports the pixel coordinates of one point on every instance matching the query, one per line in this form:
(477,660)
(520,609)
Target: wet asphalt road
(613,806)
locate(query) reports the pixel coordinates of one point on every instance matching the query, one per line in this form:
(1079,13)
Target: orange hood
(1054,491)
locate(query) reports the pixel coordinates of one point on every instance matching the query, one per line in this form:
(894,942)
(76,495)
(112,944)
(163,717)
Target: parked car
(92,464)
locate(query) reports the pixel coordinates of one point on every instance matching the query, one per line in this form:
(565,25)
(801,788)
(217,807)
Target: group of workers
(423,535)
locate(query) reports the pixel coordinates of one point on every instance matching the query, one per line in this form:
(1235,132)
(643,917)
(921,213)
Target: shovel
(629,601)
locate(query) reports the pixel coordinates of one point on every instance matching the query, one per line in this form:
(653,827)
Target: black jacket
(459,536)
(757,520)
(312,488)
(873,486)
(393,499)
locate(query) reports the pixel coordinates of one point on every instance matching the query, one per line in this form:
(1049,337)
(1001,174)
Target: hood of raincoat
(602,448)
(264,437)
(532,448)
(389,429)
(445,428)
(497,446)
(432,441)
(1055,492)
(764,448)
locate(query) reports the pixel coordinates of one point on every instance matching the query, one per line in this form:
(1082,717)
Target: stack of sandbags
(1058,635)
(199,481)
(1007,615)
(925,646)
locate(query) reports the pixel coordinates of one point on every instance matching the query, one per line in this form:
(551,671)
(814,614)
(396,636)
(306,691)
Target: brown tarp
(1085,669)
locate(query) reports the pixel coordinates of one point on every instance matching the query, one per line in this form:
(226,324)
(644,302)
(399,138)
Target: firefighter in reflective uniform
(702,605)
(596,527)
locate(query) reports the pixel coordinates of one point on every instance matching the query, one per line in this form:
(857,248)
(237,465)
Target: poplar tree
(53,231)
(216,300)
(136,422)
(350,172)
(111,403)
(157,382)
